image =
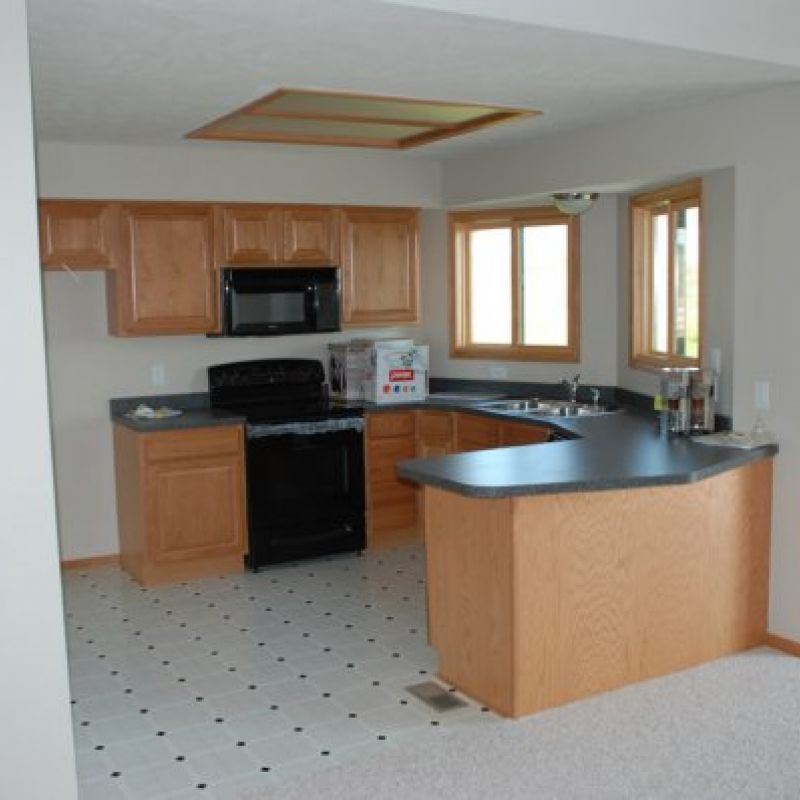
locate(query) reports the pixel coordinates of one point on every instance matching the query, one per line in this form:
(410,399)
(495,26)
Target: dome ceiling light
(574,202)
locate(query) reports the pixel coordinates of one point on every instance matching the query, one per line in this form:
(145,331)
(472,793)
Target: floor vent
(435,696)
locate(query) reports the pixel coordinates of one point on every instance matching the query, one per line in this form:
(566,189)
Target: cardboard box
(397,372)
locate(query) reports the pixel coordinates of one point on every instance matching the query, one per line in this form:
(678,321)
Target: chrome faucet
(572,387)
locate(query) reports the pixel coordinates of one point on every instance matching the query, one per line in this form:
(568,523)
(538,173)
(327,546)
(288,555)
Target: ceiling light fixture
(574,202)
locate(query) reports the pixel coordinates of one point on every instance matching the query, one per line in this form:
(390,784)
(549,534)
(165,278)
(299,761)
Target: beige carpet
(730,729)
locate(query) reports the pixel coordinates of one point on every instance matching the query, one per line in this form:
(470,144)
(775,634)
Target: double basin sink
(549,408)
(532,406)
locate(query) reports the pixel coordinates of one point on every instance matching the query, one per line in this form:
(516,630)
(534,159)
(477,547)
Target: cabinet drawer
(434,424)
(193,443)
(390,424)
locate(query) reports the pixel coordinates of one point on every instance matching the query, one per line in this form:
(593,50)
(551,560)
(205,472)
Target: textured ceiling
(149,71)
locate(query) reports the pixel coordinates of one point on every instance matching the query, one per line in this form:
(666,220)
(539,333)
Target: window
(666,277)
(515,284)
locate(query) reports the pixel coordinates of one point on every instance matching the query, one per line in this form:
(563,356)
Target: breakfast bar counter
(560,570)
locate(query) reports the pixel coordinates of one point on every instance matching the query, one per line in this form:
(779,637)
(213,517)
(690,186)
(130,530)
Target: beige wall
(756,135)
(86,366)
(36,751)
(598,363)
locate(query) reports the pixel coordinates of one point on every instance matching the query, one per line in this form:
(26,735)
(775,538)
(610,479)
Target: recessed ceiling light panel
(297,116)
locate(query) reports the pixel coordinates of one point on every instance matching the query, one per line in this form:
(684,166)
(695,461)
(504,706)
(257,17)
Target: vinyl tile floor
(219,687)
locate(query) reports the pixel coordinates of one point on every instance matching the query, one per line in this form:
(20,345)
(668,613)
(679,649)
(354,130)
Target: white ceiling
(148,71)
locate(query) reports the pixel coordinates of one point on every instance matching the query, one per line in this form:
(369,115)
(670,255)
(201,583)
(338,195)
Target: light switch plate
(158,375)
(762,395)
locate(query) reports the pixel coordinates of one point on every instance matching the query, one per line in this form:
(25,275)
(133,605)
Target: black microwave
(273,301)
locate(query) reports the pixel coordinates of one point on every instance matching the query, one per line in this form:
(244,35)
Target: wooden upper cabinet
(380,266)
(248,235)
(268,235)
(166,282)
(311,236)
(77,234)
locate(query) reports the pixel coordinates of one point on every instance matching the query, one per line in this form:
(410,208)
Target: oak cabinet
(380,266)
(268,235)
(248,235)
(476,433)
(391,502)
(517,433)
(180,502)
(166,281)
(311,236)
(77,234)
(435,433)
(394,507)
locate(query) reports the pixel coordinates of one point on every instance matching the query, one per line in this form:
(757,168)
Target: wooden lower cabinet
(517,433)
(180,502)
(394,507)
(476,433)
(391,502)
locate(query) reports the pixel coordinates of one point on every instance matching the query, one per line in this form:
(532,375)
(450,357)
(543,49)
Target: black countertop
(195,407)
(613,451)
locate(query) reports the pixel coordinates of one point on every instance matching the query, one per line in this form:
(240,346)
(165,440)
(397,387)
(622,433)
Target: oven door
(305,487)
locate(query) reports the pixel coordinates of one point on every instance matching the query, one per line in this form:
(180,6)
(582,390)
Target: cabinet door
(195,508)
(77,234)
(380,266)
(166,282)
(391,502)
(435,431)
(249,234)
(310,236)
(515,433)
(476,433)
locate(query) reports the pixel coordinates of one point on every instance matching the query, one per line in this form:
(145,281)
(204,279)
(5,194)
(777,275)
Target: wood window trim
(642,206)
(459,226)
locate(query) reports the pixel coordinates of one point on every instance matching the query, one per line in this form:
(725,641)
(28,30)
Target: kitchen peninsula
(561,570)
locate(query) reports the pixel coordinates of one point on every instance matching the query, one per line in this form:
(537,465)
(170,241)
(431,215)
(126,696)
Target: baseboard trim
(786,645)
(112,559)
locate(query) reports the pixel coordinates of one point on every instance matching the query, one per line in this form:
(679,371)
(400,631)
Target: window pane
(687,282)
(659,311)
(545,284)
(490,286)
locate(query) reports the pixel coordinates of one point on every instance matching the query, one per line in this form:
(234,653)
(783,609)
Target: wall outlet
(158,375)
(762,395)
(498,373)
(716,360)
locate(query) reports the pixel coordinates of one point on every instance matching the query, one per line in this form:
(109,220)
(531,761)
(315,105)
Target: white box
(397,372)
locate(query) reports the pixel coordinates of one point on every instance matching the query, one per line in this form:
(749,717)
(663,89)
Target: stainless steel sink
(535,406)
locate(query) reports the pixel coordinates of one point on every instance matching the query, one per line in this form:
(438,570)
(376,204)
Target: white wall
(756,135)
(36,755)
(223,171)
(87,366)
(718,251)
(599,316)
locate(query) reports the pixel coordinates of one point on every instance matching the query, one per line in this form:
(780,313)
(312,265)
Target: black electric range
(305,459)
